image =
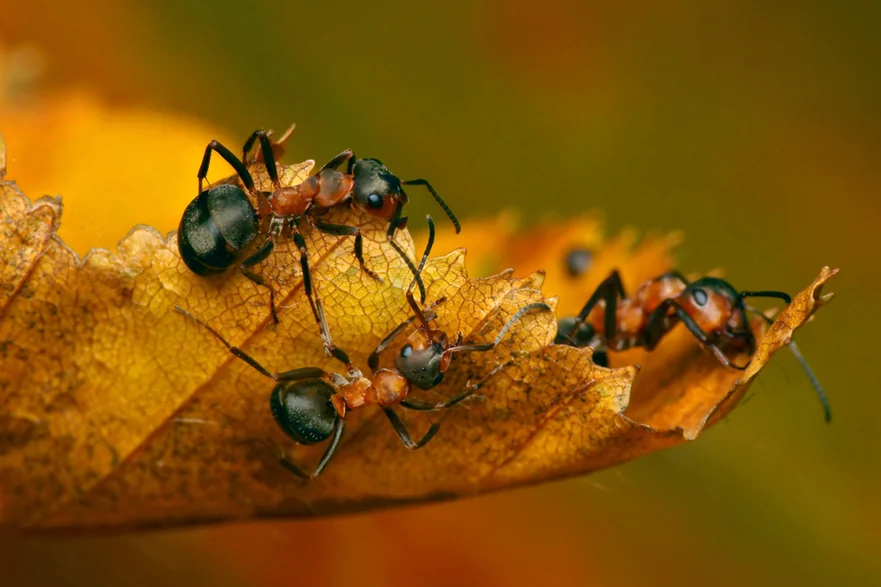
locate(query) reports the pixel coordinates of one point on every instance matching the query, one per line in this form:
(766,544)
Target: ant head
(423,360)
(377,190)
(715,306)
(303,409)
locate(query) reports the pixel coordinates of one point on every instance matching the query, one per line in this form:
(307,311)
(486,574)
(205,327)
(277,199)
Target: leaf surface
(119,413)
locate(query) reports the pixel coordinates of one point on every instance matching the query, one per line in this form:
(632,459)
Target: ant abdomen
(217,229)
(304,410)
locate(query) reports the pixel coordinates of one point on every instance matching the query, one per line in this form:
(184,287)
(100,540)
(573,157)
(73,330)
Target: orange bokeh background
(753,128)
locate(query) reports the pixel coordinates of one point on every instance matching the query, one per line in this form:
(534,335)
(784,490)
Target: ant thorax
(630,320)
(293,201)
(334,187)
(354,388)
(387,388)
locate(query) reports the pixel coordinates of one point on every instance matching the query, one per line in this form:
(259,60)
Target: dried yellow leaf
(120,413)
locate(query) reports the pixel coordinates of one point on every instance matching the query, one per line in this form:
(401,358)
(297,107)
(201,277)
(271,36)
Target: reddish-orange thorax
(654,292)
(387,388)
(629,318)
(294,200)
(632,314)
(335,187)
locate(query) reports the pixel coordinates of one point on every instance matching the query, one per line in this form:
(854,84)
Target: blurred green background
(755,127)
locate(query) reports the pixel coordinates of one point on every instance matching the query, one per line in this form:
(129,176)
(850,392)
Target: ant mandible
(310,404)
(712,310)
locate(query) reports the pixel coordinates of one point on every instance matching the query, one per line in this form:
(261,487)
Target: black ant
(310,404)
(219,226)
(712,310)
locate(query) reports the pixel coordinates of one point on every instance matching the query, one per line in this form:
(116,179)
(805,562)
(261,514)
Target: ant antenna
(438,199)
(767,294)
(491,345)
(401,222)
(417,275)
(287,134)
(827,409)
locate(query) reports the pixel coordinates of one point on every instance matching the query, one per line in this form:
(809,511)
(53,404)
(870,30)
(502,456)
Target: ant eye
(406,351)
(700,297)
(438,379)
(374,201)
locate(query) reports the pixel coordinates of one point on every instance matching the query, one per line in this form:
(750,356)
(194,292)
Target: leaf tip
(53,203)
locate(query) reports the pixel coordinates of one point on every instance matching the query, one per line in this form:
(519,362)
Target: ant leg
(249,144)
(277,146)
(344,230)
(287,464)
(301,373)
(404,434)
(491,345)
(426,407)
(341,356)
(347,155)
(417,271)
(259,255)
(417,275)
(239,352)
(314,303)
(438,199)
(610,290)
(266,150)
(373,359)
(417,278)
(240,168)
(397,222)
(338,429)
(656,329)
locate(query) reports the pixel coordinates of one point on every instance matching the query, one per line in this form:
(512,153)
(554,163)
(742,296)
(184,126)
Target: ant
(367,185)
(219,226)
(310,404)
(712,310)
